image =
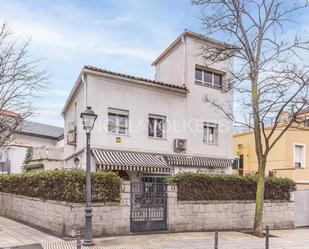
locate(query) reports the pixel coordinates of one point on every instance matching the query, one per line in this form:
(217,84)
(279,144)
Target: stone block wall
(64,218)
(226,215)
(114,218)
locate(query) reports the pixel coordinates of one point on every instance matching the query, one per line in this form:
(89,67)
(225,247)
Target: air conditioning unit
(71,138)
(180,144)
(71,126)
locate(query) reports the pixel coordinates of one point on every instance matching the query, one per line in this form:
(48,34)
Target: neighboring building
(41,143)
(160,126)
(288,158)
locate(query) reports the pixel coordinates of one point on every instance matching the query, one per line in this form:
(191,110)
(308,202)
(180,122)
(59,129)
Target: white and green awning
(130,161)
(153,163)
(198,161)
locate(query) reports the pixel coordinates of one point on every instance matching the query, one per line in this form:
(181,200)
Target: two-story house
(161,126)
(34,146)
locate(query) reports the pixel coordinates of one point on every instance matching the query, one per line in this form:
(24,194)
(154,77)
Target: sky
(123,36)
(119,35)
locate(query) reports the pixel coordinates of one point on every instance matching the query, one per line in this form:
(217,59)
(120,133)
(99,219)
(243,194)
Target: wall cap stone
(62,203)
(229,201)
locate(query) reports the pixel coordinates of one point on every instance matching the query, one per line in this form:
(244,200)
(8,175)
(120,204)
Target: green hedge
(62,185)
(196,186)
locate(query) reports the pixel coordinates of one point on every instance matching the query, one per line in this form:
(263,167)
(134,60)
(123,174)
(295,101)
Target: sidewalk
(288,239)
(14,234)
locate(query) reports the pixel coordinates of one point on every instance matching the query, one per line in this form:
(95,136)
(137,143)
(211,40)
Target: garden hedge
(62,185)
(196,186)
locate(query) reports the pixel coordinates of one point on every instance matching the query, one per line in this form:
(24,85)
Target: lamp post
(88,117)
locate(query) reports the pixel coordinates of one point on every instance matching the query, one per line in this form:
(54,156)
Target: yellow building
(288,158)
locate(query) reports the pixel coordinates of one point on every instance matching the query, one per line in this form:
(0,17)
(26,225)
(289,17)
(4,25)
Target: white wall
(185,114)
(171,68)
(18,149)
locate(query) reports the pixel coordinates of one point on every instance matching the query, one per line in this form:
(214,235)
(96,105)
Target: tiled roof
(41,130)
(92,68)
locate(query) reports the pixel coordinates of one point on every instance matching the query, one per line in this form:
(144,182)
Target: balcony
(45,153)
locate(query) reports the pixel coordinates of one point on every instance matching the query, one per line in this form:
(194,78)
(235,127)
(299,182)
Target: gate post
(125,193)
(125,201)
(170,207)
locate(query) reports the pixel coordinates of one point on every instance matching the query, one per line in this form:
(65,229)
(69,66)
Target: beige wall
(281,157)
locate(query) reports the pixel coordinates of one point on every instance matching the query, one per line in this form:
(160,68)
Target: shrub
(62,185)
(196,186)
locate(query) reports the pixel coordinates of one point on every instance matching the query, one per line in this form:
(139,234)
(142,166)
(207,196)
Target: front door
(148,204)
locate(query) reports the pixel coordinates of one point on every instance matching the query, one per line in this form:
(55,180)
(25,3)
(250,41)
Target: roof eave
(175,88)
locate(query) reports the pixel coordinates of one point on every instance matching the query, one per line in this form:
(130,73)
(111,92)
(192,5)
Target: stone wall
(226,215)
(114,218)
(64,218)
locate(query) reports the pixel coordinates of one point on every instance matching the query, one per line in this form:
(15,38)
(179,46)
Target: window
(211,133)
(306,122)
(299,156)
(118,121)
(208,78)
(235,164)
(156,126)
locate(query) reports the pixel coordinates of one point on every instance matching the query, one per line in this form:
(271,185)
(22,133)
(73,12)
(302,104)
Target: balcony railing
(47,153)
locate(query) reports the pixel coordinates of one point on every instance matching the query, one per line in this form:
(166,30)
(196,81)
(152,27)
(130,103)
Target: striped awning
(195,161)
(130,161)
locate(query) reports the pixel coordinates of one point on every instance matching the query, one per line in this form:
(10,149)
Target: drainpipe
(84,83)
(183,40)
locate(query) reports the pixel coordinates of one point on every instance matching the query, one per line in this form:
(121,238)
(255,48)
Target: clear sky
(120,35)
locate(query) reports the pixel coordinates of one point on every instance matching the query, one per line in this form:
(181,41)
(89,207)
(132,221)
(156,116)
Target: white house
(45,143)
(160,126)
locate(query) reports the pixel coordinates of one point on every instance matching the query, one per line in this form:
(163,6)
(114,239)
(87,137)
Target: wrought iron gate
(148,205)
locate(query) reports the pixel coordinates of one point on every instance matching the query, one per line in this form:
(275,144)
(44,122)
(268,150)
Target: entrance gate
(148,204)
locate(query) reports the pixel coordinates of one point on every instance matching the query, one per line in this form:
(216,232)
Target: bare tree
(270,76)
(20,80)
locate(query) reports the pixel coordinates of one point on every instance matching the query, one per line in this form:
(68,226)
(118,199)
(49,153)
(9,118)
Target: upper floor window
(210,133)
(118,121)
(156,126)
(208,77)
(299,156)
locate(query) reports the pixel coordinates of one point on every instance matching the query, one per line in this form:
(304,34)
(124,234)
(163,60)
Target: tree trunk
(259,201)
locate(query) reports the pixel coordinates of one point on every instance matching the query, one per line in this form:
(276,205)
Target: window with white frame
(299,156)
(156,126)
(208,77)
(210,133)
(118,121)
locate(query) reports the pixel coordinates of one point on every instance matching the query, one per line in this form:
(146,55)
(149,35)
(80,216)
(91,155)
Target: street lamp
(88,117)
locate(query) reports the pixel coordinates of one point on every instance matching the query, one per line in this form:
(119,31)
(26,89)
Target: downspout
(84,82)
(183,40)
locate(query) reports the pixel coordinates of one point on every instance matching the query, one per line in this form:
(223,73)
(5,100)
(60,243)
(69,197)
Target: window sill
(209,86)
(117,135)
(214,144)
(157,138)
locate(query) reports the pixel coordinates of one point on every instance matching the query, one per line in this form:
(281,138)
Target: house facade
(288,158)
(161,126)
(34,146)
